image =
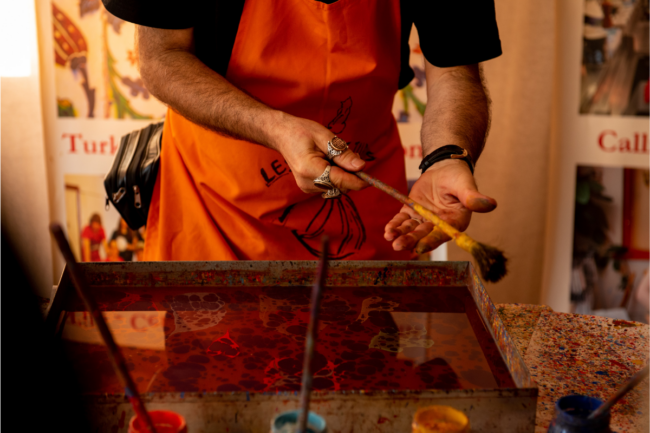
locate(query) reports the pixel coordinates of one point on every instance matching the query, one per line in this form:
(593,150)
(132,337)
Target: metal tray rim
(376,273)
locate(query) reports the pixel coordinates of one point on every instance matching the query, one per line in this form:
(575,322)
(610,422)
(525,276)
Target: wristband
(450,151)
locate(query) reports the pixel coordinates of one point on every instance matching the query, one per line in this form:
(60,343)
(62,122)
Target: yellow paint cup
(439,419)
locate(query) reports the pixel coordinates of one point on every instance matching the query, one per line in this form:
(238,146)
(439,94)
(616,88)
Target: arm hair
(172,73)
(458,109)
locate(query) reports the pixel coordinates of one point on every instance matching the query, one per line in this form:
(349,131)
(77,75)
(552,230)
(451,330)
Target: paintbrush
(490,260)
(312,334)
(627,387)
(114,353)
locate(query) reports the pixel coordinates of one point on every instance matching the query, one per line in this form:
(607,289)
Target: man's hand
(457,113)
(449,190)
(174,75)
(303,144)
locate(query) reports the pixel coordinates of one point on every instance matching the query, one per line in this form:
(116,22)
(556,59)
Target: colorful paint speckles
(588,355)
(520,319)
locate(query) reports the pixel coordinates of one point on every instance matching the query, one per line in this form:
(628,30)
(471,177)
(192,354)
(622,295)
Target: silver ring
(331,193)
(323,181)
(335,147)
(419,220)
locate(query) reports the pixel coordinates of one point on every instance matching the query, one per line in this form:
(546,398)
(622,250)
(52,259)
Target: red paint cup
(165,421)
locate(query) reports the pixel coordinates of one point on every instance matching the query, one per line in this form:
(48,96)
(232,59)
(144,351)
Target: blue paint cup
(287,422)
(571,414)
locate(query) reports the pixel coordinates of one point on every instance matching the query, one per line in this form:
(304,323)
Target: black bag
(130,182)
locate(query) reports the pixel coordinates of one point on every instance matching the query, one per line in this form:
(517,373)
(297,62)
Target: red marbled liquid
(252,339)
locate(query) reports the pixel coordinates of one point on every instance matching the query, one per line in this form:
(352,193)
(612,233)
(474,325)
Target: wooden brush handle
(114,353)
(620,393)
(312,336)
(461,239)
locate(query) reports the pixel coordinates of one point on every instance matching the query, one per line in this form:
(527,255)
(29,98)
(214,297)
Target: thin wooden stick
(312,335)
(491,261)
(627,387)
(114,353)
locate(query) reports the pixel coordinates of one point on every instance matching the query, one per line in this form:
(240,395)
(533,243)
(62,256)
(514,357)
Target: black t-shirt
(452,32)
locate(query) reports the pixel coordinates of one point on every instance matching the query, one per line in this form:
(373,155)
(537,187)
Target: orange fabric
(224,199)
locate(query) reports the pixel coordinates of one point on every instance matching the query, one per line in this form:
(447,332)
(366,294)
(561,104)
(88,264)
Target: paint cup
(165,421)
(439,419)
(571,414)
(287,422)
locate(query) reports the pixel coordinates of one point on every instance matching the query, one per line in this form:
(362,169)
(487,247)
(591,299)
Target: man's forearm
(457,110)
(174,75)
(177,77)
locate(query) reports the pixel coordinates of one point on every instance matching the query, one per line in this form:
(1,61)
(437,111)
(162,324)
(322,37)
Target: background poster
(609,274)
(93,94)
(408,109)
(596,259)
(95,59)
(615,68)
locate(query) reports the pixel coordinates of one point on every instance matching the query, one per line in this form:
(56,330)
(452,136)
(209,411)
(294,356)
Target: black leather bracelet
(450,151)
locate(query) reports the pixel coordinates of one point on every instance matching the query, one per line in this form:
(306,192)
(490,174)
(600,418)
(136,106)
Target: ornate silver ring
(331,193)
(335,147)
(323,181)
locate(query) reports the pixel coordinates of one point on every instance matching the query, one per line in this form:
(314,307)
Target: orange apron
(224,199)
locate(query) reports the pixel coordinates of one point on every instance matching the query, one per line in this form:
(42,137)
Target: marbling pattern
(226,339)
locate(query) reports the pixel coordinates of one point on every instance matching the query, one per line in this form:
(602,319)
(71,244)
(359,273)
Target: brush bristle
(491,262)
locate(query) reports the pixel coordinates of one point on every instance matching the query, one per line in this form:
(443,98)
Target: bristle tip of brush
(491,262)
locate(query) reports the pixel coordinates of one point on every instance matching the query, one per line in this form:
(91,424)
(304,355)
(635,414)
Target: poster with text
(592,265)
(92,95)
